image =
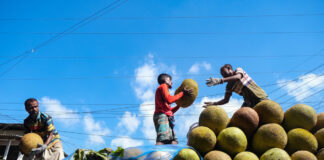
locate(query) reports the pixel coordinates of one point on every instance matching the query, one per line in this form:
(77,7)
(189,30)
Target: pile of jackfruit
(264,132)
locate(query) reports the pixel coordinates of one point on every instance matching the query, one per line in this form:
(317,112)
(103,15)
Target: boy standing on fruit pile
(163,115)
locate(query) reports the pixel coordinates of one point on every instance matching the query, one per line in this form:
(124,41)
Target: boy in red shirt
(163,116)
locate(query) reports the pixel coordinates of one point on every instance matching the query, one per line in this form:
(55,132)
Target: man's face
(33,109)
(168,82)
(228,72)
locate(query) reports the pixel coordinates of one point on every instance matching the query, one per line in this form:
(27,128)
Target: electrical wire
(167,33)
(60,35)
(164,17)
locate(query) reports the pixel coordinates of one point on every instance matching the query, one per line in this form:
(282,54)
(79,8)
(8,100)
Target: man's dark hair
(162,77)
(28,101)
(225,66)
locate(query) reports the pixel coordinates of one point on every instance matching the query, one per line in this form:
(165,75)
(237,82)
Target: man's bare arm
(233,78)
(225,100)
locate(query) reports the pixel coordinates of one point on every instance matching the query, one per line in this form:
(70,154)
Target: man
(164,114)
(42,124)
(240,82)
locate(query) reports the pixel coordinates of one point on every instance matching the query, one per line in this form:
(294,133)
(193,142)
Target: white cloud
(129,121)
(305,86)
(96,130)
(195,68)
(148,129)
(145,80)
(125,142)
(206,65)
(190,115)
(59,112)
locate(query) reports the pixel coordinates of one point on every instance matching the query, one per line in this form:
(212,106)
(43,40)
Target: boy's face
(33,109)
(227,72)
(168,82)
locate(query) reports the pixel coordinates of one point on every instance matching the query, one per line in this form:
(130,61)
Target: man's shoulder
(45,115)
(27,119)
(239,69)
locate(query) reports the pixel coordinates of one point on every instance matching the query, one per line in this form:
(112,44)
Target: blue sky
(100,79)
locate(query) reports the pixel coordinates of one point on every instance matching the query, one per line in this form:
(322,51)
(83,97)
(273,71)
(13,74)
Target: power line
(167,33)
(315,54)
(133,76)
(126,137)
(297,86)
(59,35)
(164,17)
(167,57)
(295,79)
(10,117)
(115,111)
(304,93)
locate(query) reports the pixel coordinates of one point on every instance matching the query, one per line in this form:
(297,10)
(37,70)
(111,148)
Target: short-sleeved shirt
(43,126)
(246,87)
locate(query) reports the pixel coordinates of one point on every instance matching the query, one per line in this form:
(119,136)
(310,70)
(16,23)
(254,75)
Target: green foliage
(104,154)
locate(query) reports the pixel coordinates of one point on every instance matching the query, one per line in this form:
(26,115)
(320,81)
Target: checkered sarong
(164,128)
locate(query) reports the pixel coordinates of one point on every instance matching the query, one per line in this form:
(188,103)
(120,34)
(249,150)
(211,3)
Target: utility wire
(118,112)
(305,93)
(138,76)
(300,64)
(59,35)
(166,33)
(297,78)
(295,88)
(102,135)
(163,17)
(168,57)
(131,104)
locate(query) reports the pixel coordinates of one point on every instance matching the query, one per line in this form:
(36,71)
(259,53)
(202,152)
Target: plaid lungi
(53,153)
(164,128)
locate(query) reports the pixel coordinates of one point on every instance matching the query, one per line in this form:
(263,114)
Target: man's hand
(187,91)
(41,148)
(214,81)
(207,104)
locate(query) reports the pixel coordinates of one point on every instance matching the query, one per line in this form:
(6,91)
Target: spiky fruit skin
(187,100)
(202,139)
(300,116)
(320,154)
(30,141)
(232,140)
(246,156)
(215,118)
(275,154)
(303,155)
(269,112)
(187,154)
(247,119)
(301,139)
(269,136)
(217,155)
(319,124)
(320,137)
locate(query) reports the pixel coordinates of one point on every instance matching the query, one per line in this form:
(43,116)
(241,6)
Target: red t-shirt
(163,99)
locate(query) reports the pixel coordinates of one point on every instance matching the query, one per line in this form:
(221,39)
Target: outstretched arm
(233,78)
(225,100)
